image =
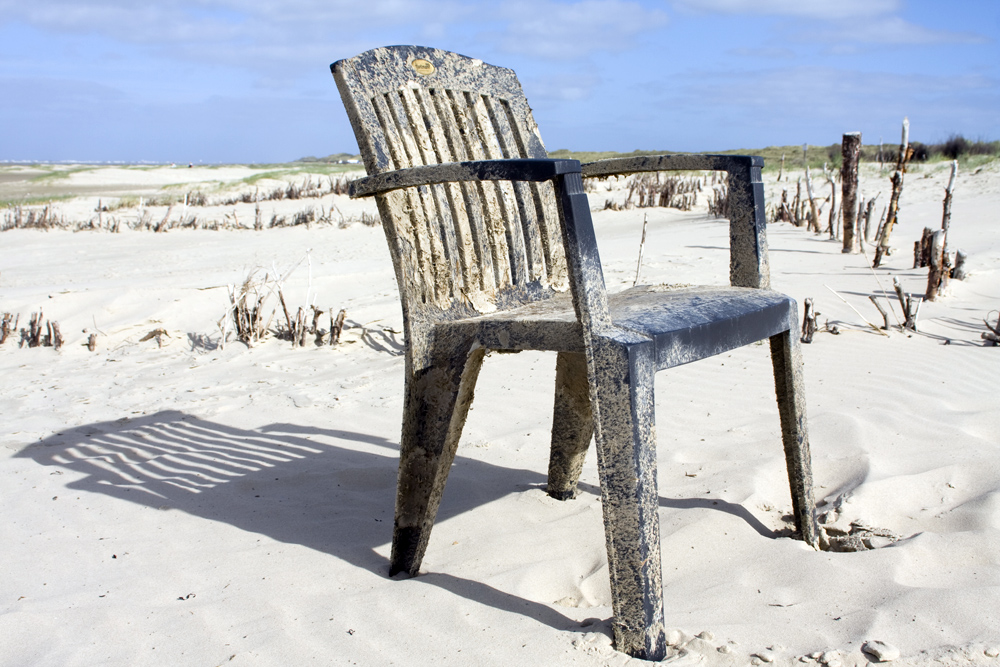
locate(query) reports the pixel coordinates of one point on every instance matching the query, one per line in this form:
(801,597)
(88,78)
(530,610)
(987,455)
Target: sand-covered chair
(494,249)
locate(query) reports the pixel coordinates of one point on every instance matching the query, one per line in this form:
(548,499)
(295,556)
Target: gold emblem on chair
(422,66)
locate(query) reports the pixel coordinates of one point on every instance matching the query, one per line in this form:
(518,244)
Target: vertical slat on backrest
(507,217)
(415,260)
(547,215)
(527,214)
(422,206)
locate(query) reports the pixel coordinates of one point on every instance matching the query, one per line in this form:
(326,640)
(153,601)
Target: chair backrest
(457,248)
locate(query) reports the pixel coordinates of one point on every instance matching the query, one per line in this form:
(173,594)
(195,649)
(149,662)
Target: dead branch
(885,316)
(909,305)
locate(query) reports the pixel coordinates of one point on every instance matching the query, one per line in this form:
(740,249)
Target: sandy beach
(181,499)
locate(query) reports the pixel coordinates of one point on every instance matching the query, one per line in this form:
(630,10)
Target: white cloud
(850,99)
(267,36)
(820,9)
(560,30)
(568,87)
(896,30)
(845,23)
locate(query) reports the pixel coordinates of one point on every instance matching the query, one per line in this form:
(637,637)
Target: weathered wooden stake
(858,226)
(909,305)
(850,150)
(797,204)
(831,225)
(936,274)
(781,170)
(6,327)
(337,327)
(809,322)
(92,342)
(288,319)
(814,219)
(922,249)
(905,153)
(958,271)
(34,337)
(642,244)
(946,215)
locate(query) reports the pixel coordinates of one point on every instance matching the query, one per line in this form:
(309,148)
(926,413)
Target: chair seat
(686,324)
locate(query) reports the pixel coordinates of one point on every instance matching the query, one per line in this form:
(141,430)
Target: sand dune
(193,503)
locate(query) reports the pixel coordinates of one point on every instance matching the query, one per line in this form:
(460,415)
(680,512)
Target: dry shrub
(246,310)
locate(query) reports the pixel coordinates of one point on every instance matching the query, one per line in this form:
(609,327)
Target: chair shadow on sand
(292,484)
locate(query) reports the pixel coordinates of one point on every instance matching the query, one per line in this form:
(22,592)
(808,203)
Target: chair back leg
(572,425)
(622,379)
(786,357)
(437,403)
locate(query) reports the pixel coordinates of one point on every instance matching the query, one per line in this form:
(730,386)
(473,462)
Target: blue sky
(248,81)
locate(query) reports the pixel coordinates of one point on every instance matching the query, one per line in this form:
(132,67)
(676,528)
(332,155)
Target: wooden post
(850,150)
(642,244)
(808,322)
(869,209)
(781,170)
(288,319)
(797,204)
(57,339)
(831,226)
(784,213)
(935,276)
(946,215)
(858,225)
(6,327)
(922,249)
(337,327)
(905,153)
(814,220)
(958,271)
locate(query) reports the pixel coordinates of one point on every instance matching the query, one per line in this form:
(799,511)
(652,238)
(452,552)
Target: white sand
(187,504)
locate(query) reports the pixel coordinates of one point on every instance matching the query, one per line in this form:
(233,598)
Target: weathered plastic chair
(486,235)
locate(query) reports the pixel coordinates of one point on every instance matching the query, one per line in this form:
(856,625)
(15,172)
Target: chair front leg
(437,403)
(621,378)
(572,425)
(786,358)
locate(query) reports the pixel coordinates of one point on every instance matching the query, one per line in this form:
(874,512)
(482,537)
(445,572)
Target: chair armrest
(748,261)
(453,172)
(621,166)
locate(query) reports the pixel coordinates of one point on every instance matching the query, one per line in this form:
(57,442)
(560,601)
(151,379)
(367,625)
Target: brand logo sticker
(422,66)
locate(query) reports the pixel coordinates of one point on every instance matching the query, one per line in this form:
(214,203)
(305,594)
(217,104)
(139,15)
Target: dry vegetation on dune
(62,199)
